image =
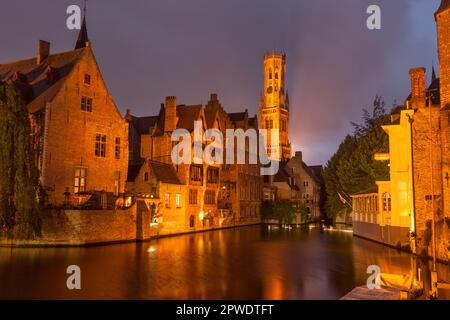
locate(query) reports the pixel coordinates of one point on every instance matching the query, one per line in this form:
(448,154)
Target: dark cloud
(150,49)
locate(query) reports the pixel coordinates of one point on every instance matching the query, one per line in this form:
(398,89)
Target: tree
(302,210)
(284,211)
(20,191)
(352,168)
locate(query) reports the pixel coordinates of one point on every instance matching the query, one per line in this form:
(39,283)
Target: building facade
(274,106)
(80,134)
(216,194)
(419,141)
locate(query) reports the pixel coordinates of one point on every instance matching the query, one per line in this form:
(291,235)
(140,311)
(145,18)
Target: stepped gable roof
(33,81)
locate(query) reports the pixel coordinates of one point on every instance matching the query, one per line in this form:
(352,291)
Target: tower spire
(433,74)
(83,38)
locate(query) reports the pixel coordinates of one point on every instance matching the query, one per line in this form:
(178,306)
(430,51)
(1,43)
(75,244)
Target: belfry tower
(274,105)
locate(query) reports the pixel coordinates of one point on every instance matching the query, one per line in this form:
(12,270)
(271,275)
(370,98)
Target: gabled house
(81,137)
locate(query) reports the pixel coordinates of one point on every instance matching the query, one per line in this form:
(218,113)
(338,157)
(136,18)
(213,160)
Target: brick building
(274,106)
(214,195)
(298,183)
(420,155)
(81,136)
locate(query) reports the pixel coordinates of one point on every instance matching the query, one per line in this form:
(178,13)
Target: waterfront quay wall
(393,236)
(98,227)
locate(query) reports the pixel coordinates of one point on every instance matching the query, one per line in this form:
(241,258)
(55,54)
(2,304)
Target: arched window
(146,176)
(270,74)
(387,202)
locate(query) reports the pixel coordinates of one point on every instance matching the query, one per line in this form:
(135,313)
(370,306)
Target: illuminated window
(167,200)
(178,200)
(80,180)
(100,145)
(386,202)
(86,104)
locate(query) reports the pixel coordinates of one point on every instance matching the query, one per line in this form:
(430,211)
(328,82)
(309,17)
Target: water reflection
(245,263)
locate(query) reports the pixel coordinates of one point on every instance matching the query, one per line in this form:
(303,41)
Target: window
(386,202)
(167,199)
(192,196)
(271,124)
(270,74)
(146,176)
(117,148)
(86,104)
(80,180)
(87,79)
(305,183)
(196,173)
(178,200)
(100,145)
(212,175)
(116,183)
(210,197)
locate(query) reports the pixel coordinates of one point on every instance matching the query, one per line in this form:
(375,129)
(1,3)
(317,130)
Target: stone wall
(422,173)
(390,235)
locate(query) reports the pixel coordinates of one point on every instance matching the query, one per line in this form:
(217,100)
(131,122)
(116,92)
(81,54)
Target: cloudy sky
(190,48)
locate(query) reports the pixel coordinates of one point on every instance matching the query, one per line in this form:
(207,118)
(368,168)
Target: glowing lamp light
(381,157)
(201,215)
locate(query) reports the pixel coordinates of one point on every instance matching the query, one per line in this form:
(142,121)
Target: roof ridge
(35,57)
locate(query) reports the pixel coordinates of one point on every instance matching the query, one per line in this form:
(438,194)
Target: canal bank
(78,228)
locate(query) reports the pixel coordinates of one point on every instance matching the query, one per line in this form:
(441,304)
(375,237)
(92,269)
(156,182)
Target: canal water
(243,263)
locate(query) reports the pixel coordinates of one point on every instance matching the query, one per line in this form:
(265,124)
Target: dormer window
(87,79)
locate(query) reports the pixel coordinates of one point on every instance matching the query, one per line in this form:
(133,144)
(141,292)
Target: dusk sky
(190,48)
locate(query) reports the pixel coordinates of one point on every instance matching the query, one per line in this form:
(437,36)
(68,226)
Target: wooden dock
(363,293)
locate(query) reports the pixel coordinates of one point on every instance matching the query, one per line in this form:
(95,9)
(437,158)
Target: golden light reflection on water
(245,263)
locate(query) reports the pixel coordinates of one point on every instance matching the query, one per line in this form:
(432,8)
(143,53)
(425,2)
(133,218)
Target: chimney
(299,156)
(43,51)
(170,120)
(418,89)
